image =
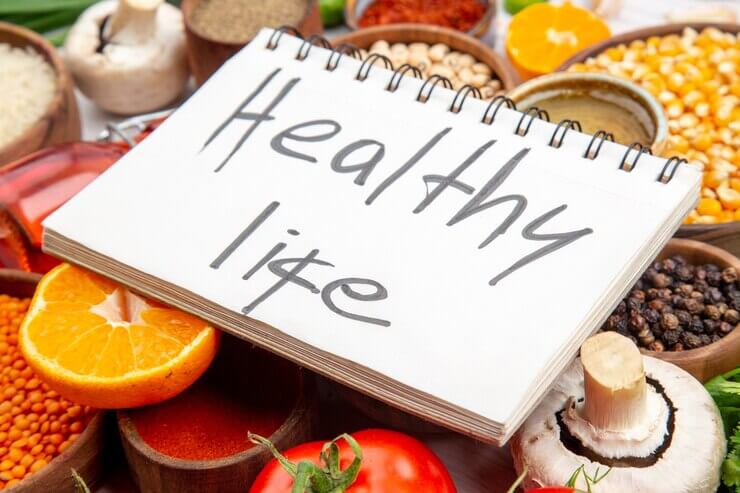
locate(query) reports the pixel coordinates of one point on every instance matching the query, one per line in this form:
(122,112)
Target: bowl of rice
(36,95)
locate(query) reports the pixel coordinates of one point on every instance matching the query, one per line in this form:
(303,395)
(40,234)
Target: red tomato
(391,463)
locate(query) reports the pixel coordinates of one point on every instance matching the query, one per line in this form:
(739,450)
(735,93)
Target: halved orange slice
(542,36)
(99,344)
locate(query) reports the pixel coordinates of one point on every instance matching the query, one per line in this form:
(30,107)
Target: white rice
(27,84)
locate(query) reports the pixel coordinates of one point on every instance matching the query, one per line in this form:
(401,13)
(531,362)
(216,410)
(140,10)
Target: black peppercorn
(725,328)
(669,265)
(669,321)
(712,295)
(637,324)
(683,273)
(693,306)
(676,306)
(712,312)
(661,280)
(708,326)
(656,305)
(729,275)
(731,316)
(690,340)
(650,315)
(685,290)
(634,304)
(671,337)
(646,337)
(656,346)
(684,317)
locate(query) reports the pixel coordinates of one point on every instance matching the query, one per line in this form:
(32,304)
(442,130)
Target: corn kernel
(709,207)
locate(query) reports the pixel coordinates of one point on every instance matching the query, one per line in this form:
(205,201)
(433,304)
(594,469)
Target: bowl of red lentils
(43,436)
(473,17)
(693,70)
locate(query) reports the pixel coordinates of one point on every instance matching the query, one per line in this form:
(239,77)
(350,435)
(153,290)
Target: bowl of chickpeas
(43,436)
(693,70)
(435,51)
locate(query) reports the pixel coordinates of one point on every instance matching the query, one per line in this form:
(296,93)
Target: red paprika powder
(211,419)
(457,14)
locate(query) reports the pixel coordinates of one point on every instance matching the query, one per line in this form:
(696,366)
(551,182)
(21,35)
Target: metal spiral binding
(464,92)
(664,176)
(369,62)
(601,136)
(400,73)
(592,151)
(532,113)
(340,51)
(636,146)
(433,80)
(565,125)
(272,43)
(308,43)
(498,101)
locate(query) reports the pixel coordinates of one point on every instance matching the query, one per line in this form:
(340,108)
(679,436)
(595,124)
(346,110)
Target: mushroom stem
(614,383)
(133,22)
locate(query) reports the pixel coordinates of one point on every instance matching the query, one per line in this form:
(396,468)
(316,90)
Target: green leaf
(49,22)
(39,6)
(731,469)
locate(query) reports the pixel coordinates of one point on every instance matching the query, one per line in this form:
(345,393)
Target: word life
(278,268)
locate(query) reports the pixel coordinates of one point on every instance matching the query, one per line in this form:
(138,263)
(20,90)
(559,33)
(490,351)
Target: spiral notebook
(440,253)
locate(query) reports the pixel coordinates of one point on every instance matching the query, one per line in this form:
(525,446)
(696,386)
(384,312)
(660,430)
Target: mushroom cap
(128,79)
(690,464)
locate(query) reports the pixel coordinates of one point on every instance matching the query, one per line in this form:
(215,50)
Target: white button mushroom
(129,55)
(650,421)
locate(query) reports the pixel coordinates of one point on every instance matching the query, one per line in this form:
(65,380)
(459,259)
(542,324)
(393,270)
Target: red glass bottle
(35,186)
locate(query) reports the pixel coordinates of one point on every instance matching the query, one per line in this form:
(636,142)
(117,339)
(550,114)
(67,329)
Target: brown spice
(238,21)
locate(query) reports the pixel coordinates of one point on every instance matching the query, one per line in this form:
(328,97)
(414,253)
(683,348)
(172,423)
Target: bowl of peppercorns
(685,309)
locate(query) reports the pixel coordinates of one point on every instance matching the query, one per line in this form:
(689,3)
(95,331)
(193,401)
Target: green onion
(38,6)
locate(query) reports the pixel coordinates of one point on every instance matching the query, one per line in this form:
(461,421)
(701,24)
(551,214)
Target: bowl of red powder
(197,441)
(473,17)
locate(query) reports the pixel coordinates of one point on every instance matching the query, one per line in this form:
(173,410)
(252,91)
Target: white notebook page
(429,317)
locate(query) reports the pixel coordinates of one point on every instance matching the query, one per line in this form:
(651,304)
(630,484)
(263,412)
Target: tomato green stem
(518,480)
(326,478)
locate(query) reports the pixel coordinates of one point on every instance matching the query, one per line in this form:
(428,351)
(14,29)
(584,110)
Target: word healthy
(479,201)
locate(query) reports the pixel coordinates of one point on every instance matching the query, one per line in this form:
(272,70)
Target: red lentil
(31,415)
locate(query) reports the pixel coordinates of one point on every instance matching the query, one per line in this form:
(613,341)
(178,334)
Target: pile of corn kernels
(36,424)
(440,59)
(696,77)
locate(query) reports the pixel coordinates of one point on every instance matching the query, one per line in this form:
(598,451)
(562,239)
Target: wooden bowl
(155,472)
(718,357)
(86,455)
(410,33)
(643,34)
(206,55)
(353,10)
(725,235)
(61,120)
